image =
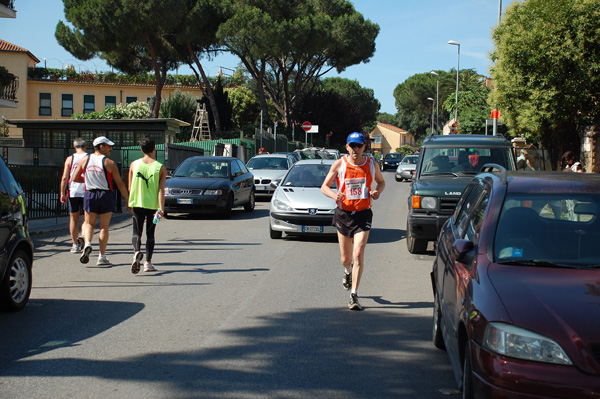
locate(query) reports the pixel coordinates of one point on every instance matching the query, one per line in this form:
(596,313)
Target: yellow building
(54,98)
(386,138)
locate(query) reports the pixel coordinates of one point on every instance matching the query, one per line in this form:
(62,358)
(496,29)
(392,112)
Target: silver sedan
(406,167)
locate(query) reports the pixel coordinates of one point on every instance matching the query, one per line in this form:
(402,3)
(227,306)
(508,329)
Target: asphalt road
(230,314)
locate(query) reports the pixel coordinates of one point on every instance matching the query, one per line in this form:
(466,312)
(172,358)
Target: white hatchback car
(298,206)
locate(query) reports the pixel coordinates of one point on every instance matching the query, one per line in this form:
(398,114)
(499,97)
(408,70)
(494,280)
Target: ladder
(201,128)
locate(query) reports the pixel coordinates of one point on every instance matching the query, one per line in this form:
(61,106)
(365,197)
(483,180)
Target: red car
(516,284)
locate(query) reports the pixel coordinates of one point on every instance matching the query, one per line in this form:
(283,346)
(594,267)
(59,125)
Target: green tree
(223,107)
(387,118)
(131,35)
(287,45)
(473,108)
(246,108)
(362,98)
(546,63)
(180,106)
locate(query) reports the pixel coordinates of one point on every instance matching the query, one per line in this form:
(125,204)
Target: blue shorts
(75,204)
(99,201)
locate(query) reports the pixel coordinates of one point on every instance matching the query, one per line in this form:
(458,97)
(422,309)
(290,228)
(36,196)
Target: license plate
(265,188)
(312,229)
(185,201)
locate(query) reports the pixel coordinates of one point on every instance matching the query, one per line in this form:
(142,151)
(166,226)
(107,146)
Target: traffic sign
(306,126)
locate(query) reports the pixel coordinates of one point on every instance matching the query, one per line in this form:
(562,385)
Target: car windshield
(271,163)
(549,229)
(393,156)
(202,168)
(409,160)
(465,160)
(309,175)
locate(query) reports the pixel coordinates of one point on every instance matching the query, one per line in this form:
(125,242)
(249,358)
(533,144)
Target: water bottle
(156,218)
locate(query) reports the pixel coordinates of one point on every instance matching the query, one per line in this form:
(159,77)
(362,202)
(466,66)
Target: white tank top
(75,189)
(96,175)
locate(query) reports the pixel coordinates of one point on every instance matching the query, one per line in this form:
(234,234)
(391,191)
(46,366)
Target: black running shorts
(349,223)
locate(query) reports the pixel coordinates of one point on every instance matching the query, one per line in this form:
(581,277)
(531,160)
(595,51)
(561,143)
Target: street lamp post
(457,44)
(437,101)
(432,102)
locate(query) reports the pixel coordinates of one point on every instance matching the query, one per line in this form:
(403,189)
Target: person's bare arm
(380,184)
(78,174)
(161,190)
(65,180)
(329,179)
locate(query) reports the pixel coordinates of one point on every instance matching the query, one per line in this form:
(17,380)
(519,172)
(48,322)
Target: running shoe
(80,242)
(85,256)
(347,281)
(103,261)
(148,267)
(353,304)
(75,249)
(135,266)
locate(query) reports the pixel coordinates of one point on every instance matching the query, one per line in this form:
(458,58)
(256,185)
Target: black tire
(249,206)
(16,285)
(415,245)
(227,211)
(275,235)
(467,378)
(399,179)
(438,339)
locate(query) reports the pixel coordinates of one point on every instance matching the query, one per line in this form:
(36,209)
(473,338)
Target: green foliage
(6,77)
(387,118)
(180,106)
(405,150)
(246,108)
(224,107)
(547,70)
(362,98)
(136,110)
(286,46)
(473,109)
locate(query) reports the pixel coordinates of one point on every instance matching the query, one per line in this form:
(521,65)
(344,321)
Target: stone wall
(590,148)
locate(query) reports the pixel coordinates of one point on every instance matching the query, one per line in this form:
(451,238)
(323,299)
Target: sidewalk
(41,226)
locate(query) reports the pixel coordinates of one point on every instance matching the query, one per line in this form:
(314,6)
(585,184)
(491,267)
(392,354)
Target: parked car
(391,160)
(406,167)
(209,184)
(267,169)
(16,257)
(294,155)
(446,164)
(314,153)
(334,152)
(516,286)
(298,206)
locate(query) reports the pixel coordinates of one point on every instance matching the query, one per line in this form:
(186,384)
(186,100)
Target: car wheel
(438,339)
(228,207)
(399,179)
(249,207)
(275,234)
(467,377)
(415,245)
(16,285)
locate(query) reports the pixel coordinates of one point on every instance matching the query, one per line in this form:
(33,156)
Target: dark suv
(16,248)
(446,164)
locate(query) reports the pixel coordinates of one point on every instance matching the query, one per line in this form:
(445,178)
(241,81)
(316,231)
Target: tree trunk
(159,81)
(209,92)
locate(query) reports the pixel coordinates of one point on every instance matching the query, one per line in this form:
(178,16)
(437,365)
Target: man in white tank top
(98,173)
(71,193)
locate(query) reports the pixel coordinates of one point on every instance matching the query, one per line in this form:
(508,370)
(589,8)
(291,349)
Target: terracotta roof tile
(6,46)
(392,127)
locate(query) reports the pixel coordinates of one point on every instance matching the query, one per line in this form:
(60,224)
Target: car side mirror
(462,251)
(274,183)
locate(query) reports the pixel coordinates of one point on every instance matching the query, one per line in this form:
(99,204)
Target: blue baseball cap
(356,137)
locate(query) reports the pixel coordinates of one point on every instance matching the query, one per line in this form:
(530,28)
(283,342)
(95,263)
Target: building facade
(386,138)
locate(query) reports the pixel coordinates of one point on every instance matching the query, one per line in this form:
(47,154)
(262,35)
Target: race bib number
(356,188)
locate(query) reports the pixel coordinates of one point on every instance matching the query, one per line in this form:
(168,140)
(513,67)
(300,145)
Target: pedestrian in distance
(147,179)
(570,163)
(98,172)
(354,175)
(71,193)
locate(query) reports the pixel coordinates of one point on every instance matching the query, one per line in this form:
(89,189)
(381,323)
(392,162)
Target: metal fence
(41,185)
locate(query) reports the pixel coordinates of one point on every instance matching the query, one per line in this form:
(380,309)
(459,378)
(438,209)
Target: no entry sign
(306,126)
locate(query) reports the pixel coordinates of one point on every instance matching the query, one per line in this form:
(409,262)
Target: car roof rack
(492,167)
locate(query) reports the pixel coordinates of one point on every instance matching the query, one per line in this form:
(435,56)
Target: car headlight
(213,192)
(508,340)
(419,202)
(281,206)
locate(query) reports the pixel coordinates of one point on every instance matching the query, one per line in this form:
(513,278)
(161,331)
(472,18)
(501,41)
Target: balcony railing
(9,91)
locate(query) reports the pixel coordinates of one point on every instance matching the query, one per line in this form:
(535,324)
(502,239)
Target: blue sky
(413,39)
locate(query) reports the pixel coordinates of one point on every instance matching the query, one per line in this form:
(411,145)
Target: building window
(377,139)
(129,100)
(110,101)
(89,105)
(45,104)
(67,105)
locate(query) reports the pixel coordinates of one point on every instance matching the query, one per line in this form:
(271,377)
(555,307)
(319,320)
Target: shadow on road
(316,353)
